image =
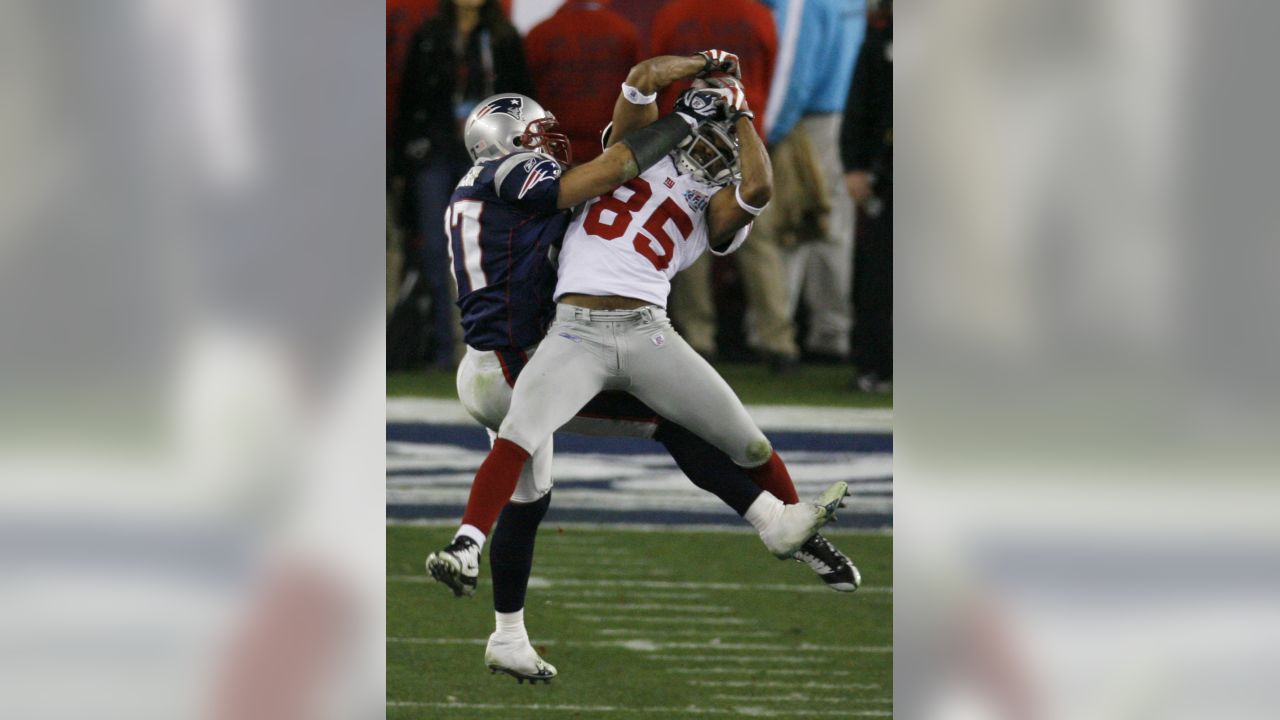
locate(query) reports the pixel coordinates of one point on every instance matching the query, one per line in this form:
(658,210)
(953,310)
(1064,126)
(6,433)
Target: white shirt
(632,242)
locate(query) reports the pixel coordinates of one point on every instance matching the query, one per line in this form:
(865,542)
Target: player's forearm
(614,167)
(656,73)
(757,172)
(633,155)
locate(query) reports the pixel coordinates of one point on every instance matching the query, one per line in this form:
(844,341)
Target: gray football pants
(636,351)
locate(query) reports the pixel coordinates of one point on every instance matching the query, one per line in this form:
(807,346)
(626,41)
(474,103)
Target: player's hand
(719,61)
(733,93)
(699,105)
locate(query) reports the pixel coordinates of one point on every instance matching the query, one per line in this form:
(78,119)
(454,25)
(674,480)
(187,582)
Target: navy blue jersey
(503,229)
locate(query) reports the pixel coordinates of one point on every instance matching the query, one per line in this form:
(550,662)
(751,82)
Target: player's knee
(758,452)
(529,495)
(512,432)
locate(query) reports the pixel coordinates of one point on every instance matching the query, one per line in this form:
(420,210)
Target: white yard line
(541,583)
(605,573)
(800,697)
(689,632)
(653,646)
(793,685)
(746,659)
(668,620)
(740,671)
(645,606)
(439,411)
(789,697)
(622,591)
(669,711)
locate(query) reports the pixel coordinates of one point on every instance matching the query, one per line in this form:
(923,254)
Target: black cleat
(835,569)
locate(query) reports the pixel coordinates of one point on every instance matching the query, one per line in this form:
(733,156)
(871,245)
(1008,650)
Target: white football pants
(636,351)
(484,392)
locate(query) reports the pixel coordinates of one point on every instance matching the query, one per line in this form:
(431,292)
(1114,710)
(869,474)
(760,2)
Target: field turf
(813,384)
(666,623)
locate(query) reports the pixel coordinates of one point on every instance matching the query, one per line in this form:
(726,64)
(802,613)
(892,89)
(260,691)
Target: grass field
(661,624)
(822,385)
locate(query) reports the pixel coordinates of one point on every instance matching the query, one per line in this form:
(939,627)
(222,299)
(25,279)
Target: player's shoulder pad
(528,169)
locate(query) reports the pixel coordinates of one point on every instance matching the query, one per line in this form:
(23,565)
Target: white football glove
(720,61)
(733,93)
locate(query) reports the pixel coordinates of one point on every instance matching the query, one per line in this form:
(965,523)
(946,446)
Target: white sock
(472,532)
(764,511)
(511,624)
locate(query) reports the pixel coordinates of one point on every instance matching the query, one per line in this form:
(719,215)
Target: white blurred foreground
(1086,454)
(191,360)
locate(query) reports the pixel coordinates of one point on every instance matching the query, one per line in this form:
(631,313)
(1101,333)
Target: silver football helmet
(508,122)
(710,153)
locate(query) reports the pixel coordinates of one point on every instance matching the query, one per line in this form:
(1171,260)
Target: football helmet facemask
(710,153)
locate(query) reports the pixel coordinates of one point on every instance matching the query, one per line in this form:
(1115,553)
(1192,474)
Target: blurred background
(813,286)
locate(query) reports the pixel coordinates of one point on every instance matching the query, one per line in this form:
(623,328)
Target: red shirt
(742,27)
(578,58)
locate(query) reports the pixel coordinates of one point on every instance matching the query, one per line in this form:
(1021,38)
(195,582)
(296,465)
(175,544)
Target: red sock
(494,485)
(773,477)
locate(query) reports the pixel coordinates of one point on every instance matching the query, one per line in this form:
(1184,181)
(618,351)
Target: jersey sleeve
(738,238)
(529,181)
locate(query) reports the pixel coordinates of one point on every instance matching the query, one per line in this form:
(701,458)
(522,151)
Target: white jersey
(634,240)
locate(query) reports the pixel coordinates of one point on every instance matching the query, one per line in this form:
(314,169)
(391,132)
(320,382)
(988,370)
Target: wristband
(635,97)
(737,195)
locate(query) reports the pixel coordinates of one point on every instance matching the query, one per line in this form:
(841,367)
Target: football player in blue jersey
(506,220)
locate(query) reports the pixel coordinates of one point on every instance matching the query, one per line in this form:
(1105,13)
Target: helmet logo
(511,106)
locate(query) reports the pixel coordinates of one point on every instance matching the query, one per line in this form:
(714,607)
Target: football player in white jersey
(611,331)
(503,218)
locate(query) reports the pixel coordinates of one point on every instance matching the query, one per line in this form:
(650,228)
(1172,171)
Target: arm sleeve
(529,181)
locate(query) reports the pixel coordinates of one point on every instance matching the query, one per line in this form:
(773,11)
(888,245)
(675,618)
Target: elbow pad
(650,143)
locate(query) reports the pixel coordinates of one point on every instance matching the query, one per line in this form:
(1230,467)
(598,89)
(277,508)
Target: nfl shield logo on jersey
(659,339)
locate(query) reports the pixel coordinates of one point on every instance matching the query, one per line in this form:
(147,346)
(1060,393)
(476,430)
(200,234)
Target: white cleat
(457,566)
(797,523)
(517,658)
